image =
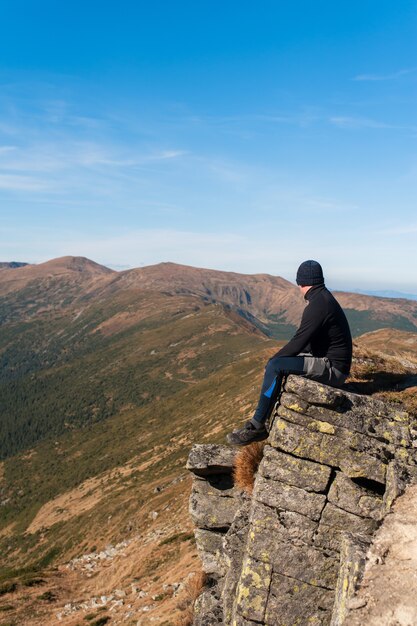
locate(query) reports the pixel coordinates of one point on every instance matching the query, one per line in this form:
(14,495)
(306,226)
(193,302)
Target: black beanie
(310,273)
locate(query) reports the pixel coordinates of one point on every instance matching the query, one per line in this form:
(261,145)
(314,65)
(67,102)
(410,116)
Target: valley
(107,379)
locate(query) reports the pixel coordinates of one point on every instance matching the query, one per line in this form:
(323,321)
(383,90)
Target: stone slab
(326,449)
(286,497)
(253,589)
(206,459)
(352,564)
(356,441)
(294,471)
(211,511)
(335,521)
(307,564)
(293,602)
(216,485)
(347,495)
(234,546)
(210,550)
(207,607)
(315,393)
(270,528)
(356,412)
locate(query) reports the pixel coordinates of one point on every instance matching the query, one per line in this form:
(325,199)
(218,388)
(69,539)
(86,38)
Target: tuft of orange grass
(246,465)
(193,588)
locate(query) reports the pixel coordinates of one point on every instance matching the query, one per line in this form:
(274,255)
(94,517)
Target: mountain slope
(269,302)
(120,482)
(34,290)
(402,345)
(74,370)
(80,341)
(106,379)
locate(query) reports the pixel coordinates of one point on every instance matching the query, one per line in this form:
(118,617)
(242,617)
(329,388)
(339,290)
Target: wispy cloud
(20,183)
(66,152)
(163,155)
(7,149)
(358,122)
(328,204)
(230,123)
(381,77)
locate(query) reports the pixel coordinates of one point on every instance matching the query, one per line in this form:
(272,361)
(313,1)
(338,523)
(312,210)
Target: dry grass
(373,371)
(193,588)
(246,465)
(407,399)
(367,362)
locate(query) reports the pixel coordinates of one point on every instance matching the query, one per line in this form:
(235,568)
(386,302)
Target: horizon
(229,137)
(118,268)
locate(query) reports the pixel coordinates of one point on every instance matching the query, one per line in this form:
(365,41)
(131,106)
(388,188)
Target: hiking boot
(247,434)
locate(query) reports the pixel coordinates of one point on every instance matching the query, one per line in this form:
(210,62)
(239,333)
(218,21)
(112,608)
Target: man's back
(333,338)
(324,330)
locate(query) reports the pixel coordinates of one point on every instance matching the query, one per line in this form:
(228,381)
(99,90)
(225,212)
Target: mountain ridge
(271,303)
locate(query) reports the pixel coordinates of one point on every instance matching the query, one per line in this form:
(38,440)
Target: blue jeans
(316,368)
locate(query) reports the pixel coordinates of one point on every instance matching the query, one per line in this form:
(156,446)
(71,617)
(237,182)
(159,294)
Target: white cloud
(381,77)
(357,122)
(20,183)
(167,154)
(69,153)
(7,149)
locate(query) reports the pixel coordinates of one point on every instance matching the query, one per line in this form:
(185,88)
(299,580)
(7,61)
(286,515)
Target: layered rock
(293,552)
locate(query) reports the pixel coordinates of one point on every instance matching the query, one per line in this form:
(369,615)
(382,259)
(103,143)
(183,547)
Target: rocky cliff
(293,551)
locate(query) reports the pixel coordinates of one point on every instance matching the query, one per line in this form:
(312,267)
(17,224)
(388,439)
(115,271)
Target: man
(321,349)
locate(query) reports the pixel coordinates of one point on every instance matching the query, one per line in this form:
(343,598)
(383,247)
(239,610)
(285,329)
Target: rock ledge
(293,553)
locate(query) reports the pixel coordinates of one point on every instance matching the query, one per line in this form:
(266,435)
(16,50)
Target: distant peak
(76,264)
(192,269)
(11,264)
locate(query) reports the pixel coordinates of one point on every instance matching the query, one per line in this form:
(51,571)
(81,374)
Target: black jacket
(324,330)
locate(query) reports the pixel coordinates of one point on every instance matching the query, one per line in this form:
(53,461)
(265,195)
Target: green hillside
(104,387)
(59,373)
(157,430)
(361,322)
(110,382)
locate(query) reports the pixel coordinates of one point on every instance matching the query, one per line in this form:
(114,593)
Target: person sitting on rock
(321,349)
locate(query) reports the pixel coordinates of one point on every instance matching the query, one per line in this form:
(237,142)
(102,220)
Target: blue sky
(234,135)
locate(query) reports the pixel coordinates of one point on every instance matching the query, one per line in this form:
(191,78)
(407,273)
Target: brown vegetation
(407,399)
(193,588)
(246,465)
(374,372)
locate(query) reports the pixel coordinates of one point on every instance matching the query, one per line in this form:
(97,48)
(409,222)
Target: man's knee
(286,365)
(274,364)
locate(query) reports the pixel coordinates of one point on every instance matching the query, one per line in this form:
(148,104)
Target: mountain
(81,341)
(11,264)
(368,313)
(38,289)
(271,303)
(106,380)
(388,294)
